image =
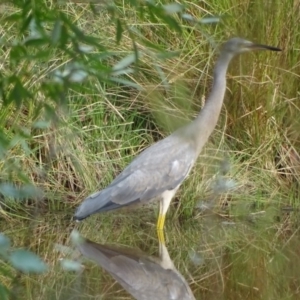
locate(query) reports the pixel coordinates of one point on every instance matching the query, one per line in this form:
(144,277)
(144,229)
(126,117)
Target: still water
(208,256)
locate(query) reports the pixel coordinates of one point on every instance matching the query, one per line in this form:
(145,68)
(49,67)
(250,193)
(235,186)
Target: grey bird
(144,277)
(158,171)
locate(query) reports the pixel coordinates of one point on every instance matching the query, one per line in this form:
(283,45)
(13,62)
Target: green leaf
(4,244)
(25,147)
(14,17)
(35,28)
(56,32)
(41,124)
(125,62)
(77,76)
(172,23)
(126,83)
(122,72)
(79,34)
(26,23)
(210,20)
(23,192)
(35,41)
(4,292)
(4,144)
(17,53)
(188,17)
(85,48)
(167,54)
(164,14)
(76,238)
(27,262)
(134,3)
(18,94)
(151,10)
(8,190)
(29,191)
(71,265)
(39,55)
(73,72)
(119,31)
(173,8)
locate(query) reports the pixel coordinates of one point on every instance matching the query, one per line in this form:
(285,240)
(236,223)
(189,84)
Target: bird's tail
(92,204)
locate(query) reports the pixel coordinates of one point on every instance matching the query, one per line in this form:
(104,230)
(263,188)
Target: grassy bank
(105,126)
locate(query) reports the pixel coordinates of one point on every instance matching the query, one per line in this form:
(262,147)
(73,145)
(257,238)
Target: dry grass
(106,126)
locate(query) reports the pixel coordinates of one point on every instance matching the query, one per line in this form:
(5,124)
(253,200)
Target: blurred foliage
(45,55)
(17,260)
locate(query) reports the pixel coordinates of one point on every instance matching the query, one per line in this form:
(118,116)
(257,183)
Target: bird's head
(237,45)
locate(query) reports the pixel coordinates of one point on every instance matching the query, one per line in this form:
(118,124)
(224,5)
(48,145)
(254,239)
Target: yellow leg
(161,236)
(163,207)
(161,222)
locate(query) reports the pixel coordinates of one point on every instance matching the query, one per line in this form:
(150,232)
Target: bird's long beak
(254,46)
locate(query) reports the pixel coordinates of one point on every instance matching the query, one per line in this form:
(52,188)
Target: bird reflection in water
(144,277)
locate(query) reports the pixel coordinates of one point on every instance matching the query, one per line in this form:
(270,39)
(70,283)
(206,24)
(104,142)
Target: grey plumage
(159,170)
(147,177)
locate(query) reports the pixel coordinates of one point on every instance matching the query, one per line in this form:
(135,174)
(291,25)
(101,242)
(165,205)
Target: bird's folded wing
(159,168)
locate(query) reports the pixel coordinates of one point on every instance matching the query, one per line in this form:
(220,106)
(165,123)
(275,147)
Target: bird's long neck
(207,119)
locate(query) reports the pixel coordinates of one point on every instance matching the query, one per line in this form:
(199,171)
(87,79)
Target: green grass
(106,126)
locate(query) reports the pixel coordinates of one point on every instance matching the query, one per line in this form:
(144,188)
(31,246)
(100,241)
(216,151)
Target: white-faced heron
(159,170)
